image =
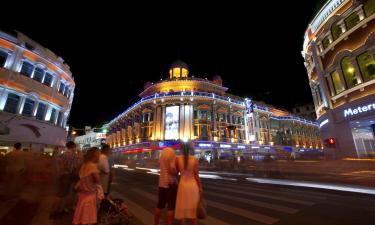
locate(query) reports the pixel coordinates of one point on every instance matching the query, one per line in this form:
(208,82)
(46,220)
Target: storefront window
(195,114)
(349,72)
(337,83)
(366,64)
(363,136)
(203,115)
(204,131)
(195,130)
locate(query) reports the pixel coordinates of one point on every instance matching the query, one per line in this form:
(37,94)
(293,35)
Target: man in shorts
(167,185)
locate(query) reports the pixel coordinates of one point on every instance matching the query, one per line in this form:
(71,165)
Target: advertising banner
(172,122)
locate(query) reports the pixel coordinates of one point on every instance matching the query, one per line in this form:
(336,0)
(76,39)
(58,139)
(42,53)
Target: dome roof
(179,64)
(217,77)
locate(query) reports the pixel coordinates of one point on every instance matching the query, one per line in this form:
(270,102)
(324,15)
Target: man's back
(167,167)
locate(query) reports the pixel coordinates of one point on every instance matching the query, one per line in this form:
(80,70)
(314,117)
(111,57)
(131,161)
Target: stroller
(113,212)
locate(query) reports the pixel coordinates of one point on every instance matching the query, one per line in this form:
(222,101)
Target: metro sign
(359,110)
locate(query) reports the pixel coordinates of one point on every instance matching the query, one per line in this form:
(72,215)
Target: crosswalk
(230,202)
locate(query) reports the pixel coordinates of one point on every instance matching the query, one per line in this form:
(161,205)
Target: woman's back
(188,171)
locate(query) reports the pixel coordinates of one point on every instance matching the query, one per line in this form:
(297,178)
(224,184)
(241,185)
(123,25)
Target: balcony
(27,85)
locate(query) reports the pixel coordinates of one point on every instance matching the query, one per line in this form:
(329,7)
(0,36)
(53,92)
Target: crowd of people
(83,179)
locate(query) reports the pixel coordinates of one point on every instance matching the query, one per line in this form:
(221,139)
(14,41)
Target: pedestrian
(105,168)
(69,164)
(189,187)
(167,185)
(88,187)
(16,169)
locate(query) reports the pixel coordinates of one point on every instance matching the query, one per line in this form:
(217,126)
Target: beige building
(339,53)
(36,94)
(220,124)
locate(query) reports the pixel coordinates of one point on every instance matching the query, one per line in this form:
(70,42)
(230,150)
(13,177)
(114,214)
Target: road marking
(209,220)
(244,213)
(289,192)
(301,202)
(257,203)
(336,187)
(138,211)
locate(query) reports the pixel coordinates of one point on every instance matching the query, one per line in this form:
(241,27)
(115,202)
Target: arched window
(337,83)
(349,72)
(369,7)
(336,31)
(366,64)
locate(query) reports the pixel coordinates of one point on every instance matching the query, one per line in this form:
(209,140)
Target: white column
(15,63)
(361,14)
(342,26)
(330,38)
(35,108)
(48,113)
(56,117)
(3,98)
(320,47)
(21,104)
(182,122)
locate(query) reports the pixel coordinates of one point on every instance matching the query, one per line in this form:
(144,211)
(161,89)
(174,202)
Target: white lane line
(209,220)
(335,187)
(244,213)
(275,207)
(301,202)
(298,194)
(138,211)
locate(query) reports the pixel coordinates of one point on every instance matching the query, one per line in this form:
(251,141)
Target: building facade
(220,124)
(36,94)
(339,52)
(91,138)
(306,111)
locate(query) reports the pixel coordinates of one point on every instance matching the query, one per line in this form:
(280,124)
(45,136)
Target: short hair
(17,146)
(70,144)
(105,148)
(90,154)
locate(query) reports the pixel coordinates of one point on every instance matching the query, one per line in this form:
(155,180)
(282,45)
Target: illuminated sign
(225,146)
(324,122)
(205,145)
(171,122)
(359,110)
(241,146)
(100,135)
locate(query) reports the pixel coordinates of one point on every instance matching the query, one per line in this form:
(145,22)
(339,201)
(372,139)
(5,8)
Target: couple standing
(182,198)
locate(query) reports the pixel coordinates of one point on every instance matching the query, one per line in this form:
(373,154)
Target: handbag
(201,209)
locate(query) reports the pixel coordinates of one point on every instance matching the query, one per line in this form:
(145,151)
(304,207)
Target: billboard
(171,127)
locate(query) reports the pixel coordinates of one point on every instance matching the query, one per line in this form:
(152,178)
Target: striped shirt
(167,167)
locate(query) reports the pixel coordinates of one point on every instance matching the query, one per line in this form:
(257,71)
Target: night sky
(113,51)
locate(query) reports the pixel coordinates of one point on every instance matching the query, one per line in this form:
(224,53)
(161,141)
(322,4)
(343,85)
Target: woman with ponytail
(189,187)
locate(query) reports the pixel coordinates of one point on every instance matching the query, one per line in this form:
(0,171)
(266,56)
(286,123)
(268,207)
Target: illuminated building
(339,52)
(220,124)
(36,93)
(93,137)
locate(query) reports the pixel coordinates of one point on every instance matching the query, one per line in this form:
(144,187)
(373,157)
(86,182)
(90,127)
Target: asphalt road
(238,201)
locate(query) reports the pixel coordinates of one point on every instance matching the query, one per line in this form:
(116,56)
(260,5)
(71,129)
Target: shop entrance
(363,132)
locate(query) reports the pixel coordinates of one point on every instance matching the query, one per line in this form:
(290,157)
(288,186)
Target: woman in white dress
(189,186)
